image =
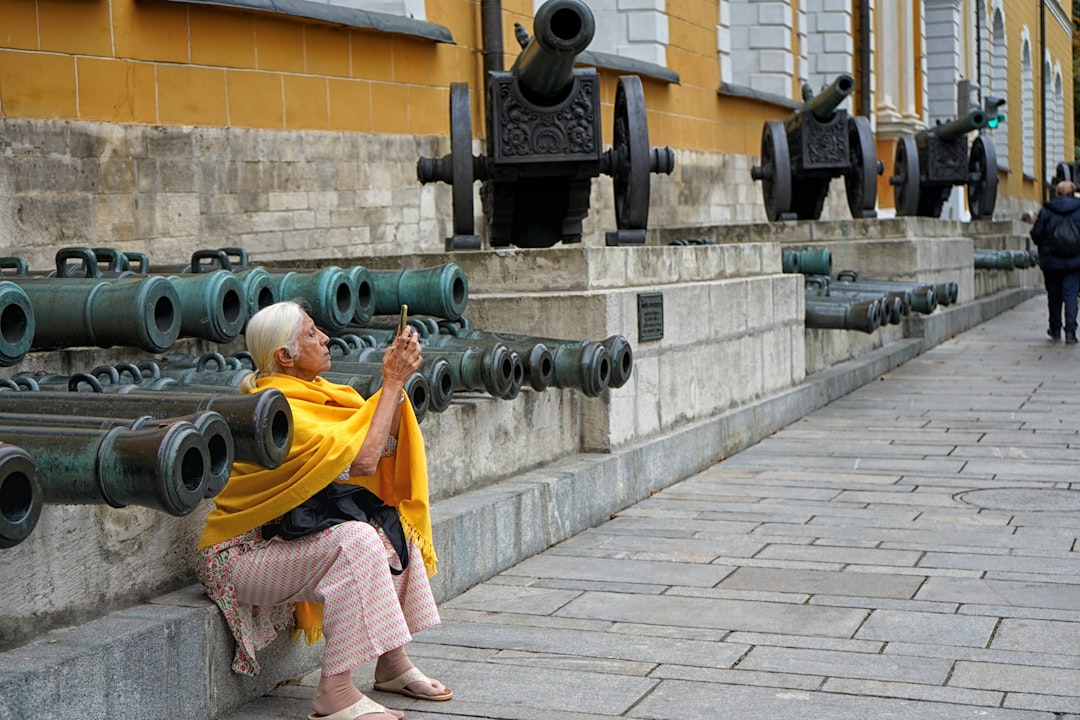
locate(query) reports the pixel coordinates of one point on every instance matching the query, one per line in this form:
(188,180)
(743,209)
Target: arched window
(1058,102)
(1027,105)
(999,81)
(1052,119)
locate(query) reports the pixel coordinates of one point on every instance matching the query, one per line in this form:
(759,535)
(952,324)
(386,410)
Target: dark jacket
(1053,211)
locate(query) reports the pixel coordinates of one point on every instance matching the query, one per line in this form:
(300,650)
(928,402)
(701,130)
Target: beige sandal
(399,685)
(363,706)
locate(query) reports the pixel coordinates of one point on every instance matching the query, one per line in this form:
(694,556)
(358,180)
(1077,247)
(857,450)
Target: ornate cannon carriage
(927,166)
(819,142)
(544,144)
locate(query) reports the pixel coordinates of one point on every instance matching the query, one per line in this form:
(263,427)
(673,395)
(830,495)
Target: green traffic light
(994,121)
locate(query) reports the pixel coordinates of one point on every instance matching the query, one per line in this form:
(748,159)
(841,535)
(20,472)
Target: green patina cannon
(367,383)
(441,291)
(928,165)
(70,312)
(212,427)
(843,314)
(545,145)
(21,495)
(162,468)
(349,356)
(330,294)
(891,305)
(574,363)
(17,325)
(819,142)
(809,261)
(985,259)
(922,297)
(260,423)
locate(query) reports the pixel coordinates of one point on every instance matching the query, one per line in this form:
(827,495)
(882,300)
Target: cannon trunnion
(927,166)
(545,146)
(800,156)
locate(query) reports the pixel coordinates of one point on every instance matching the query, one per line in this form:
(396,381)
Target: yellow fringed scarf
(329,425)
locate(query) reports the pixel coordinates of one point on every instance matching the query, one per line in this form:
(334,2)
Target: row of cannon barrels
(101,297)
(457,359)
(164,451)
(853,303)
(986,259)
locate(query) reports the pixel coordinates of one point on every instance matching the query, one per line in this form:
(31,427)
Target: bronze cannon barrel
(842,314)
(17,326)
(953,129)
(21,495)
(213,305)
(329,292)
(261,422)
(213,428)
(162,468)
(923,296)
(416,387)
(436,371)
(441,291)
(824,104)
(142,312)
(562,29)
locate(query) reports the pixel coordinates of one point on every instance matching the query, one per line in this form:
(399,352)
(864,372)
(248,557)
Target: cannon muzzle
(17,325)
(824,104)
(959,127)
(843,314)
(21,495)
(562,29)
(261,423)
(162,468)
(213,306)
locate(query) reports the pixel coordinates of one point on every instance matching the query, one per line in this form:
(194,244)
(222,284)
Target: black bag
(1065,240)
(336,503)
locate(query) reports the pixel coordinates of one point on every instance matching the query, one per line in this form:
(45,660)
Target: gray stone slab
(1050,636)
(816,583)
(584,643)
(913,691)
(1016,678)
(502,598)
(846,556)
(729,614)
(1004,563)
(832,663)
(1018,594)
(1032,657)
(737,677)
(1052,703)
(676,699)
(690,550)
(570,568)
(916,627)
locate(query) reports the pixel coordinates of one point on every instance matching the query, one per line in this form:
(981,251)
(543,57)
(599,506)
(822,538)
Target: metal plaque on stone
(650,316)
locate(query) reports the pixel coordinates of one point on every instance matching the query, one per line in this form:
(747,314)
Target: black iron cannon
(928,165)
(261,423)
(819,142)
(544,144)
(21,495)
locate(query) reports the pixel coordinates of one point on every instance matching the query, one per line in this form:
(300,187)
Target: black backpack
(1065,240)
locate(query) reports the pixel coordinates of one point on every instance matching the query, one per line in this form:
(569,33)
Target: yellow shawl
(329,425)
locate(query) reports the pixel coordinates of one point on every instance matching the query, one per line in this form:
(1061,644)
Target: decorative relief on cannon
(819,142)
(926,167)
(545,145)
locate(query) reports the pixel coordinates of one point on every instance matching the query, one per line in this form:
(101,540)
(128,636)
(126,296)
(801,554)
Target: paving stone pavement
(908,551)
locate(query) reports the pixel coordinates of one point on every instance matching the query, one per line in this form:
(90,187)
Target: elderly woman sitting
(335,542)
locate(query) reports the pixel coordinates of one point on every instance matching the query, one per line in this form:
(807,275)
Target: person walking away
(1056,233)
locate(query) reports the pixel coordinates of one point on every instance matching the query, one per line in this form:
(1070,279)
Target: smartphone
(403,322)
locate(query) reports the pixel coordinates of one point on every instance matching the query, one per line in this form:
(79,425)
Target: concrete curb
(170,658)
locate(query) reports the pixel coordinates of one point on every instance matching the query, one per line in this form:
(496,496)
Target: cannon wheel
(905,179)
(630,148)
(776,163)
(461,158)
(860,181)
(982,188)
